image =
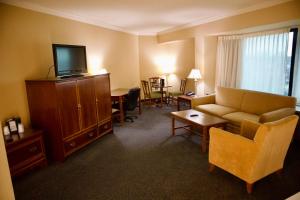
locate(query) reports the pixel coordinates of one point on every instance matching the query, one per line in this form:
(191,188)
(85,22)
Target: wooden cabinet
(26,152)
(73,112)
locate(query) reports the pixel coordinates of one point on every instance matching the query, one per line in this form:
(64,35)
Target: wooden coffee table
(202,120)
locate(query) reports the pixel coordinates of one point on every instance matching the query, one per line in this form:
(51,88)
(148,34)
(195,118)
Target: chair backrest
(146,89)
(273,140)
(182,85)
(155,83)
(132,99)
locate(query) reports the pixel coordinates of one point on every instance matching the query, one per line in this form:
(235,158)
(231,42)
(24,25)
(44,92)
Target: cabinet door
(87,99)
(68,108)
(103,95)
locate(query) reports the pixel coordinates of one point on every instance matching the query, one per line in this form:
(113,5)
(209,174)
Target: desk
(119,95)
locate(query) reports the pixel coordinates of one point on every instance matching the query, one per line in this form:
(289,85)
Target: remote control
(193,115)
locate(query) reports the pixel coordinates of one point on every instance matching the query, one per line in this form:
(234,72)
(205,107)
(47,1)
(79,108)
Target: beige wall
(26,53)
(6,188)
(206,44)
(176,58)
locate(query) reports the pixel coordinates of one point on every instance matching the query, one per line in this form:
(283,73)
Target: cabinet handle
(90,135)
(72,144)
(78,106)
(33,149)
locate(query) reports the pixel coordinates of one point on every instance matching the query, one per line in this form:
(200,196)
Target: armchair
(258,151)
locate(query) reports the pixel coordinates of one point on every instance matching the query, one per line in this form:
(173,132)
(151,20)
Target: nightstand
(26,152)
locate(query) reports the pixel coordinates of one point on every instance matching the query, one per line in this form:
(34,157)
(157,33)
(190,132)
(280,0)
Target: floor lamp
(196,75)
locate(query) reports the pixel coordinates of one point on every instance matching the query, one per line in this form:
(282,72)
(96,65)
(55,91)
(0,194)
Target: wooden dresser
(73,112)
(26,152)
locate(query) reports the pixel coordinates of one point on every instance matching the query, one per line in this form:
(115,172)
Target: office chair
(131,102)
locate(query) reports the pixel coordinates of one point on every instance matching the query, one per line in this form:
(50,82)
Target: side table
(185,99)
(26,152)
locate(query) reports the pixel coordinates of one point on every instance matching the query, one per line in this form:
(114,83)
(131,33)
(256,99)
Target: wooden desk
(119,95)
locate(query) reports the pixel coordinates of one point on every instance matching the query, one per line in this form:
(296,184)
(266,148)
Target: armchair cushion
(276,115)
(249,128)
(237,117)
(215,109)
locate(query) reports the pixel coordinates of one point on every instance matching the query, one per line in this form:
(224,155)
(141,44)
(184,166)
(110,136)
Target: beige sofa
(237,105)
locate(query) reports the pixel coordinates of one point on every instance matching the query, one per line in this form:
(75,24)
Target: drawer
(29,151)
(79,141)
(104,127)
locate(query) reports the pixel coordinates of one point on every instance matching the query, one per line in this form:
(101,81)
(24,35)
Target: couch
(236,105)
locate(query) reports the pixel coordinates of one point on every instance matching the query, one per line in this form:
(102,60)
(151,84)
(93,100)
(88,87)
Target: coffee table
(202,120)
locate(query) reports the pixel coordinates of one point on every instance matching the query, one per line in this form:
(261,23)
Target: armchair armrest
(232,152)
(276,115)
(209,99)
(249,128)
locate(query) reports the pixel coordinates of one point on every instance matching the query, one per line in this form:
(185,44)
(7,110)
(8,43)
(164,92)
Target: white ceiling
(144,17)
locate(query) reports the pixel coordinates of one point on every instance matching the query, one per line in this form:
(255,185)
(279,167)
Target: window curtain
(253,61)
(228,61)
(296,83)
(264,62)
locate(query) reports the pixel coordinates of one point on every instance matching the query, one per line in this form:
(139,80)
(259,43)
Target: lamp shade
(195,74)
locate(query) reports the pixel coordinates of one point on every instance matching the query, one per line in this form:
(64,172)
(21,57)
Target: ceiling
(144,17)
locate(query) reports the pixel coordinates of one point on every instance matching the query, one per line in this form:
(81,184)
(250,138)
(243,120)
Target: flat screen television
(69,60)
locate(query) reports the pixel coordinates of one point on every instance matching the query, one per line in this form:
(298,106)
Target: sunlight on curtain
(264,62)
(296,84)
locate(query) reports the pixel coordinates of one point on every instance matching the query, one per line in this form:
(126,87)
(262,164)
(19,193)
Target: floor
(142,161)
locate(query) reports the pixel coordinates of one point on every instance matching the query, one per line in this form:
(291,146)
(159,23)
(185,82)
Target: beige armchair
(258,151)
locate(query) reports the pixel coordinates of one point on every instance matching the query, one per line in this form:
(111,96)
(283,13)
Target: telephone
(190,93)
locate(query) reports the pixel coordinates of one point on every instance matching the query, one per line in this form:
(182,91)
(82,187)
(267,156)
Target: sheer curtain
(296,84)
(254,61)
(228,60)
(264,62)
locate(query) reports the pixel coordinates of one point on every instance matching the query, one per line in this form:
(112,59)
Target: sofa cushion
(229,97)
(238,117)
(215,109)
(259,102)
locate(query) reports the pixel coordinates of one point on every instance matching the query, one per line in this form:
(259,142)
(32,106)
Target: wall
(26,53)
(6,188)
(175,58)
(268,18)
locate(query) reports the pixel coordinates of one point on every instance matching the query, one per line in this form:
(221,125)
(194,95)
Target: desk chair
(131,102)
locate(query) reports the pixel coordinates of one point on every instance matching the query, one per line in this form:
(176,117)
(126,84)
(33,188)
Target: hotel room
(149,100)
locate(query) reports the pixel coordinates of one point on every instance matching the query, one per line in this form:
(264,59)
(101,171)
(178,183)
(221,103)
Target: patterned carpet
(142,161)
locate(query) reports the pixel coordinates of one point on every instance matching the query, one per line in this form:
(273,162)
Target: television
(69,60)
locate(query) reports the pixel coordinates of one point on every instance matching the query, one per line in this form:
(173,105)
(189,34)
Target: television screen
(69,59)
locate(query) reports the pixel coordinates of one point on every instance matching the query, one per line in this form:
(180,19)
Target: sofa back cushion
(260,102)
(229,97)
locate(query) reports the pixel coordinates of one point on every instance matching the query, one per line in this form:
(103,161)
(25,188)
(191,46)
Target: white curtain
(265,61)
(228,61)
(296,83)
(253,61)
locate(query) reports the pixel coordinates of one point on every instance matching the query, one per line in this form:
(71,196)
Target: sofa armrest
(209,99)
(232,152)
(276,115)
(249,128)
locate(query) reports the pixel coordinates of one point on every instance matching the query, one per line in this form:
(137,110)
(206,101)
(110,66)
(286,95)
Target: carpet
(141,160)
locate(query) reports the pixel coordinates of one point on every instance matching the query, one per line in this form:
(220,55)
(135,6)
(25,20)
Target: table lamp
(196,75)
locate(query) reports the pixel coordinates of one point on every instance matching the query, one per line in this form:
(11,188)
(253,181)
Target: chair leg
(211,168)
(249,187)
